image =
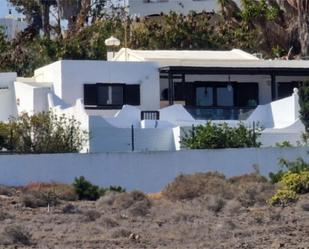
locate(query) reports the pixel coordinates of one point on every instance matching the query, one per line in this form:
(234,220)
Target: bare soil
(228,213)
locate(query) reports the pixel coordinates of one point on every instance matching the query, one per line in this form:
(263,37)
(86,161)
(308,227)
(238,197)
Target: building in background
(12,26)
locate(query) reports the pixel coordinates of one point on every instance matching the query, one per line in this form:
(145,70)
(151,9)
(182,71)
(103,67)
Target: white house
(12,26)
(143,100)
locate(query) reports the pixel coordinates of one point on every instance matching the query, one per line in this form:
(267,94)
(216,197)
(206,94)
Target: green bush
(293,182)
(85,190)
(117,189)
(283,197)
(43,132)
(297,166)
(217,136)
(284,144)
(297,182)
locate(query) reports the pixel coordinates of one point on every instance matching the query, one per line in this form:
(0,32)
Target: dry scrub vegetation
(205,210)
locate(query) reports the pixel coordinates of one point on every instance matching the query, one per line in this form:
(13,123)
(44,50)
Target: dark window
(133,95)
(111,96)
(210,94)
(285,89)
(180,92)
(246,94)
(90,94)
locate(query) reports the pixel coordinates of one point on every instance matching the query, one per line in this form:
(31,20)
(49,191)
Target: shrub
(108,222)
(297,166)
(217,136)
(215,204)
(5,191)
(35,199)
(284,144)
(70,209)
(293,182)
(5,215)
(283,197)
(127,200)
(304,205)
(61,191)
(192,186)
(304,104)
(42,133)
(85,190)
(91,215)
(17,235)
(297,182)
(118,189)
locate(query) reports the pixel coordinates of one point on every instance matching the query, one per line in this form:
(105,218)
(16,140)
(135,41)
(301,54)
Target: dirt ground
(189,213)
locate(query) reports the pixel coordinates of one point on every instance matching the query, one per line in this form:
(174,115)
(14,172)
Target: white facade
(7,96)
(155,7)
(12,26)
(69,77)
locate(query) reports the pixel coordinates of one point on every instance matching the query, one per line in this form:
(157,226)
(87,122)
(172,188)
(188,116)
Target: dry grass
(16,235)
(155,196)
(70,209)
(6,191)
(135,203)
(36,199)
(91,215)
(62,191)
(226,213)
(192,186)
(5,215)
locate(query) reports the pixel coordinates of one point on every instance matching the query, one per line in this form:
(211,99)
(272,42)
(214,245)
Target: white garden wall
(147,171)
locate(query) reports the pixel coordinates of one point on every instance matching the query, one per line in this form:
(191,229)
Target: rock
(277,245)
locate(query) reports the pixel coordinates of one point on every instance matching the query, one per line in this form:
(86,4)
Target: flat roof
(282,67)
(177,57)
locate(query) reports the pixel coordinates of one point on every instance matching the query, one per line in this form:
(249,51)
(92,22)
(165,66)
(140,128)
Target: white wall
(30,97)
(70,76)
(7,96)
(12,26)
(107,138)
(277,114)
(50,74)
(148,171)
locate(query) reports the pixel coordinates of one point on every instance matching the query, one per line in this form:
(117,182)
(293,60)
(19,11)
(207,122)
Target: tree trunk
(303,26)
(45,17)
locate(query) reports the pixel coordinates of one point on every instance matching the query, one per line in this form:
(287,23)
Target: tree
(302,7)
(212,136)
(304,104)
(42,133)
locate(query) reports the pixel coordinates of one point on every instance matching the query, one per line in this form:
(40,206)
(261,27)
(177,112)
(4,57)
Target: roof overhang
(213,70)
